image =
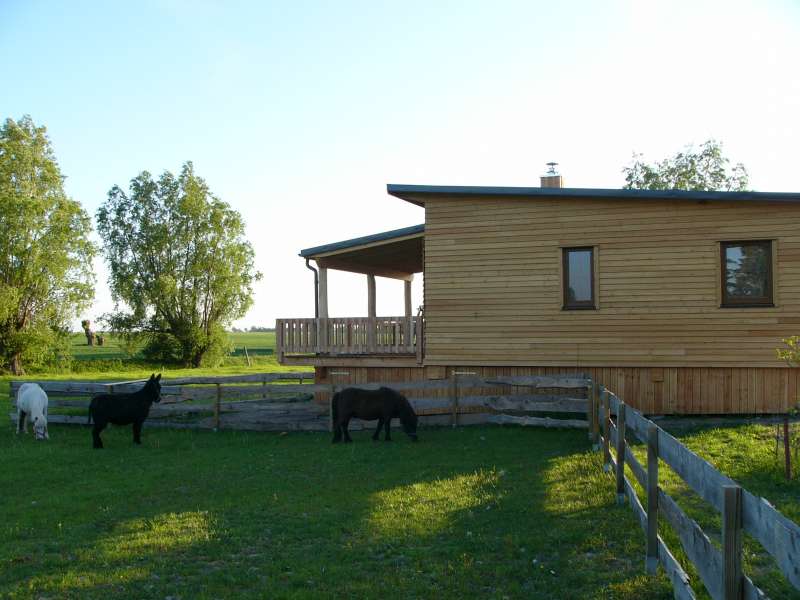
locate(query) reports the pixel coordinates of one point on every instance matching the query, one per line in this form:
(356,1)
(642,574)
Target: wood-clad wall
(653,390)
(493,291)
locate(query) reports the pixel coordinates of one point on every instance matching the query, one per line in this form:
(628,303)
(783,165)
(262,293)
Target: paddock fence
(719,569)
(292,402)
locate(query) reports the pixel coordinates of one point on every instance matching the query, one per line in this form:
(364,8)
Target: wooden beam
(407,290)
(732,542)
(371,296)
(371,314)
(323,292)
(340,265)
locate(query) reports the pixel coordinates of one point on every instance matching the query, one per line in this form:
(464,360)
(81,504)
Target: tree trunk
(16,365)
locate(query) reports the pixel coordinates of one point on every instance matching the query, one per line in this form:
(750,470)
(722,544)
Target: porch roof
(396,254)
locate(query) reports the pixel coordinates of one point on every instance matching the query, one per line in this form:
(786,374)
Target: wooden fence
(720,570)
(283,401)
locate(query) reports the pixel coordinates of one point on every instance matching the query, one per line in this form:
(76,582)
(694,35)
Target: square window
(578,284)
(746,273)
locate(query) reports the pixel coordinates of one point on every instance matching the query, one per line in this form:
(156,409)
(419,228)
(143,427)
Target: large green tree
(692,169)
(179,263)
(46,256)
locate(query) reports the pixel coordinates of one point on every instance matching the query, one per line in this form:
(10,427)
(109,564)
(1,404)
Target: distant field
(257,344)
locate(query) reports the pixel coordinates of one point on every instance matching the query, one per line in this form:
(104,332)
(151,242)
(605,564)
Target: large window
(746,273)
(578,267)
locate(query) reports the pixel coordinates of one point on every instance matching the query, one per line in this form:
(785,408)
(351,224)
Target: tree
(703,169)
(179,261)
(46,274)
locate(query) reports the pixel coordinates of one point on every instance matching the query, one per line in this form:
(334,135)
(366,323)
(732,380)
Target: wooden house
(675,300)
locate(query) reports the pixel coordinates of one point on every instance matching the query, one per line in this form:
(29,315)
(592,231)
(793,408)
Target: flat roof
(416,193)
(363,241)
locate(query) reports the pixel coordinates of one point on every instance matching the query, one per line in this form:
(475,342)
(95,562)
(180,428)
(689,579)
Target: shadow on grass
(475,512)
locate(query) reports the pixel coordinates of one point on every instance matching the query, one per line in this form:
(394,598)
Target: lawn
(483,512)
(257,344)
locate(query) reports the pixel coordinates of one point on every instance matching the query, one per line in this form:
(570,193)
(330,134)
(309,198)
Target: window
(746,273)
(578,267)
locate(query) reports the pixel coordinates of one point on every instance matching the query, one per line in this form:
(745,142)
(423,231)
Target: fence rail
(720,571)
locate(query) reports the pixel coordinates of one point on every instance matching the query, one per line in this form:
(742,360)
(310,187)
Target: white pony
(32,408)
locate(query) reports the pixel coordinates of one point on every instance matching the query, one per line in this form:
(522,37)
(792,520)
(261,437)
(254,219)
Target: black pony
(124,409)
(383,404)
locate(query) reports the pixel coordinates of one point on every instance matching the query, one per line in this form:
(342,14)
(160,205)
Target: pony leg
(388,437)
(137,432)
(345,425)
(337,432)
(377,435)
(96,441)
(21,425)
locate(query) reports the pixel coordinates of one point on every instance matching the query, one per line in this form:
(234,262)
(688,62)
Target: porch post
(322,323)
(371,337)
(407,329)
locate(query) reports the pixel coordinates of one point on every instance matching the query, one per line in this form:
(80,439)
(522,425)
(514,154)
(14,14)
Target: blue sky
(299,113)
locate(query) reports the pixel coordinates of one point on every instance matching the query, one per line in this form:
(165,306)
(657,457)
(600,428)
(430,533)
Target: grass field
(257,344)
(475,512)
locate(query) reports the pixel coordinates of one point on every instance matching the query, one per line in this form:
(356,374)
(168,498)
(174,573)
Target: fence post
(216,407)
(621,453)
(596,416)
(787,452)
(732,542)
(590,409)
(606,430)
(454,398)
(651,560)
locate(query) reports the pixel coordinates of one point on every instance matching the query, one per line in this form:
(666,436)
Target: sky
(298,113)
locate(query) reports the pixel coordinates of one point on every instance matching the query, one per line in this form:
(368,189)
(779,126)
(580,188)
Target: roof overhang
(396,254)
(417,194)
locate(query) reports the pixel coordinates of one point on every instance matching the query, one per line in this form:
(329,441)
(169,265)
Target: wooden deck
(356,336)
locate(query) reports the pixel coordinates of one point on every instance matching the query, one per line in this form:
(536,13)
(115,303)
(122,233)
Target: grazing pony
(383,404)
(32,408)
(123,409)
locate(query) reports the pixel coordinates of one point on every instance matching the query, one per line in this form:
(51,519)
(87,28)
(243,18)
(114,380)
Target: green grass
(745,453)
(257,344)
(474,512)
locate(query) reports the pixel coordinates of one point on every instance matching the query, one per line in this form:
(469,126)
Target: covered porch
(396,254)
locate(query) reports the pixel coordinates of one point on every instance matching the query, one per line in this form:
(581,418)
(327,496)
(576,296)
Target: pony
(383,404)
(32,408)
(124,409)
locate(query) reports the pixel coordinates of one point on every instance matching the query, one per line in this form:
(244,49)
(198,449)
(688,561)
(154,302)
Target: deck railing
(351,336)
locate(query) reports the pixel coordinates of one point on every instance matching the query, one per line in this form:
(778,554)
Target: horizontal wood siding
(493,293)
(653,390)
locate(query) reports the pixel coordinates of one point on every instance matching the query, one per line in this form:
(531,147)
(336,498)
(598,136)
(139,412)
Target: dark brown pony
(383,404)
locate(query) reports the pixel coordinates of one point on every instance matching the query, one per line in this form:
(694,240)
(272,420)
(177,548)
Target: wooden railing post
(606,430)
(279,339)
(621,453)
(732,542)
(651,560)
